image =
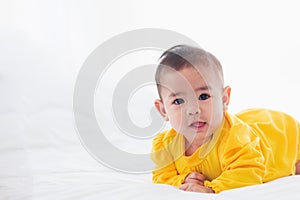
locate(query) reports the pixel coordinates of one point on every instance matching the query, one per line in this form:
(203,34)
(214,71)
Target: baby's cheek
(176,123)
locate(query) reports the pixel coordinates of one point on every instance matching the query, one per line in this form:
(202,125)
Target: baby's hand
(195,177)
(194,182)
(194,187)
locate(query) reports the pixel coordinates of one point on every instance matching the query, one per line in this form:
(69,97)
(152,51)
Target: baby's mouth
(198,125)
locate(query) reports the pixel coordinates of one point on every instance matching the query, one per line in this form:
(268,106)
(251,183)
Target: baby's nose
(193,110)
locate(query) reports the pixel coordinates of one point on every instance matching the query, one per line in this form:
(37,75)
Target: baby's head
(190,84)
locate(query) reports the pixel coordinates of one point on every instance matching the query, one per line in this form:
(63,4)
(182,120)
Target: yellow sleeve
(165,171)
(298,134)
(242,161)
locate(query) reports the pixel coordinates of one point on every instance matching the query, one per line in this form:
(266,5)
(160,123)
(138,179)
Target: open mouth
(198,125)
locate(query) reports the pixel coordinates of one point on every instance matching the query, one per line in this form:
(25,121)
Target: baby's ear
(161,109)
(226,97)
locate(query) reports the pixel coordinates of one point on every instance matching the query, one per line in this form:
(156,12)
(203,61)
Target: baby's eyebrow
(202,88)
(175,94)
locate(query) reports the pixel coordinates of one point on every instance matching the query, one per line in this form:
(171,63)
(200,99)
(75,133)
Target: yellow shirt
(252,147)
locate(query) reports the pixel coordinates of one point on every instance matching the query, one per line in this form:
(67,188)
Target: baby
(208,149)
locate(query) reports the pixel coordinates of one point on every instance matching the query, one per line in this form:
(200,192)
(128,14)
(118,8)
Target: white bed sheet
(109,185)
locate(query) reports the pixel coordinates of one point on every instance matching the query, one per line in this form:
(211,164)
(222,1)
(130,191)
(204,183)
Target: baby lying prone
(208,149)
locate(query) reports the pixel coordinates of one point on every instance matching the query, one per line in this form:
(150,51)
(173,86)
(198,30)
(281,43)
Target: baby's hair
(182,56)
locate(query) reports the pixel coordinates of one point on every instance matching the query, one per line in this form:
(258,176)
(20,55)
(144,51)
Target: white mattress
(110,185)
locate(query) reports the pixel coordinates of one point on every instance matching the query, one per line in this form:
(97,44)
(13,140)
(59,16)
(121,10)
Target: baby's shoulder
(164,138)
(236,131)
(165,135)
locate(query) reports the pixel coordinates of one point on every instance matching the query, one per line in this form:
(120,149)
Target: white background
(43,45)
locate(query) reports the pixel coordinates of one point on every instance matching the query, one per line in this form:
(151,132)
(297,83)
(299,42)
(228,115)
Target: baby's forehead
(189,79)
(189,72)
(184,78)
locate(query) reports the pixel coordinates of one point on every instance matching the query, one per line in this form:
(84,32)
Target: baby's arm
(165,171)
(243,165)
(168,175)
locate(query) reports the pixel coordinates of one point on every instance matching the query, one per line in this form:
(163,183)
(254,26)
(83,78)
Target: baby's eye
(203,97)
(178,101)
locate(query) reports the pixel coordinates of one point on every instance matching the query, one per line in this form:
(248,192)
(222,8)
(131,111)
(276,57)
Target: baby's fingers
(195,176)
(184,187)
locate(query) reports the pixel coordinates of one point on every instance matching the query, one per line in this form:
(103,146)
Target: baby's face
(193,105)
